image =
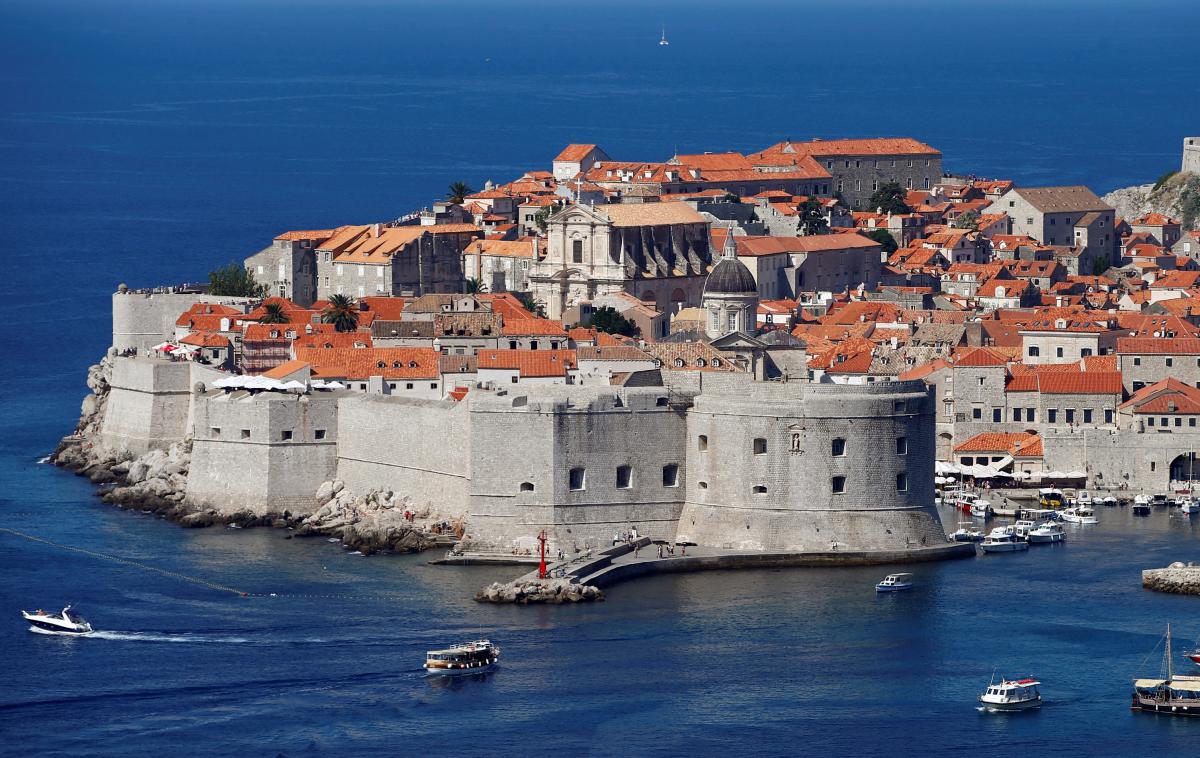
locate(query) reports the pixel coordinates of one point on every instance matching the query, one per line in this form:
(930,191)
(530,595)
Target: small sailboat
(1172,696)
(894,583)
(663,41)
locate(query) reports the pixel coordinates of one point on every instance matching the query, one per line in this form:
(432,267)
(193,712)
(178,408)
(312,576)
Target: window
(838,485)
(1058,352)
(1108,415)
(703,485)
(1070,415)
(902,446)
(760,446)
(759,489)
(839,446)
(902,482)
(977,414)
(997,415)
(671,475)
(1085,352)
(245,434)
(732,321)
(1170,362)
(1030,415)
(578,479)
(1191,420)
(1034,351)
(215,431)
(624,477)
(1016,414)
(319,434)
(516,378)
(1150,421)
(577,251)
(1052,415)
(981,381)
(702,443)
(408,385)
(527,486)
(1178,421)
(433,385)
(286,435)
(1137,361)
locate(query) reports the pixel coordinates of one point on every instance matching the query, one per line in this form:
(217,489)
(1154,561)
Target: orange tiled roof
(205,339)
(981,357)
(574,153)
(206,309)
(283,369)
(388,362)
(1158,346)
(1016,444)
(530,363)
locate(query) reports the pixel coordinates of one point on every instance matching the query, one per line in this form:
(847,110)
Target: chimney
(375,230)
(225,324)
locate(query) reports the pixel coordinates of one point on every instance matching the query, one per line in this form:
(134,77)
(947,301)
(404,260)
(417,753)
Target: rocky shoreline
(156,482)
(529,591)
(1179,578)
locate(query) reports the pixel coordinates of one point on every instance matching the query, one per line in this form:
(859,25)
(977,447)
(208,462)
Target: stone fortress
(1191,155)
(713,459)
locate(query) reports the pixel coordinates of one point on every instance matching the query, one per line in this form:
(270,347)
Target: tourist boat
(65,623)
(1003,539)
(1012,695)
(1080,515)
(966,532)
(981,508)
(468,658)
(1049,497)
(1172,696)
(1046,532)
(894,583)
(1141,505)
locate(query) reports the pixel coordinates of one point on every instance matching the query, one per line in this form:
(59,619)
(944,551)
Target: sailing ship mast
(1170,668)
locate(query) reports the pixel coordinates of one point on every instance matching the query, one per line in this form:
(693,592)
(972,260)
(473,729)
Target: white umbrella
(294,385)
(1054,475)
(945,467)
(228,382)
(1076,475)
(162,346)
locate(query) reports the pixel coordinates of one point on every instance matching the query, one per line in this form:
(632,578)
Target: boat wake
(166,637)
(44,459)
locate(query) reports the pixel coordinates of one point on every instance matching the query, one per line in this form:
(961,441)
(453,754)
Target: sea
(149,141)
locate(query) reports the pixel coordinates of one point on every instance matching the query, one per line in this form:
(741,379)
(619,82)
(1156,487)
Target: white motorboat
(1083,497)
(894,583)
(1160,499)
(1050,497)
(981,508)
(1022,528)
(1003,539)
(1108,501)
(1141,505)
(1012,695)
(468,658)
(65,623)
(1046,532)
(1188,505)
(1080,515)
(966,532)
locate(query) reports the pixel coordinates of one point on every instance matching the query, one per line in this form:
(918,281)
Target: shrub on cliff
(234,280)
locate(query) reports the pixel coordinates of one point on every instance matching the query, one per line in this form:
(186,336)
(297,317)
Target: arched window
(412,364)
(701,363)
(396,364)
(678,296)
(380,364)
(678,363)
(839,446)
(649,296)
(702,442)
(716,362)
(527,486)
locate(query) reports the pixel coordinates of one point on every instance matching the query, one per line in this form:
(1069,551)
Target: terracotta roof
(690,356)
(205,339)
(504,248)
(1167,396)
(1154,219)
(334,340)
(452,229)
(1016,444)
(458,364)
(351,363)
(613,353)
(1158,346)
(981,357)
(319,235)
(207,309)
(530,363)
(1080,383)
(651,214)
(284,369)
(574,153)
(868,146)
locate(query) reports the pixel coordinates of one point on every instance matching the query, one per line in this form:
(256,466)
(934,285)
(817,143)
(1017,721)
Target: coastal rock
(1177,195)
(1178,578)
(375,521)
(552,591)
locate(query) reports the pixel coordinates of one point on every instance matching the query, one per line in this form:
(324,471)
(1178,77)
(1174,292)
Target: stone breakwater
(529,591)
(1178,578)
(156,482)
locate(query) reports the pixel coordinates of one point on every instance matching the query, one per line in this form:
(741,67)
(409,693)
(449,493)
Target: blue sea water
(147,141)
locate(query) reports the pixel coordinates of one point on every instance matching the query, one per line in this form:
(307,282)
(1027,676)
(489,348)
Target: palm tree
(273,313)
(458,192)
(342,313)
(475,286)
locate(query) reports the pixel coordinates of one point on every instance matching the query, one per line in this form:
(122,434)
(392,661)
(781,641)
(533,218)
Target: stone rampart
(266,453)
(803,467)
(149,405)
(142,320)
(419,449)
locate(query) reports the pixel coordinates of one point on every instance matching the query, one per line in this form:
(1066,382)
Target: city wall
(150,403)
(142,320)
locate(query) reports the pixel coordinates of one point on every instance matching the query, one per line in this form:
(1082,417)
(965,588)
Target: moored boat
(966,532)
(1141,505)
(1188,505)
(1045,533)
(1108,501)
(1012,695)
(1080,515)
(894,583)
(467,658)
(66,623)
(981,508)
(1050,497)
(1173,695)
(1003,539)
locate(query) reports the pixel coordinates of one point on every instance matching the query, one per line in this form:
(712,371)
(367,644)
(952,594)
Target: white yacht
(1109,501)
(894,583)
(65,623)
(1022,528)
(1080,514)
(981,508)
(1083,497)
(1012,695)
(1141,505)
(1046,532)
(1003,539)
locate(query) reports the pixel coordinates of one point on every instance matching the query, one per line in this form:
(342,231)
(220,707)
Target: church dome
(730,277)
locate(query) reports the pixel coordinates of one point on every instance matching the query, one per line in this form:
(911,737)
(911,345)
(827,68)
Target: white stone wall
(142,320)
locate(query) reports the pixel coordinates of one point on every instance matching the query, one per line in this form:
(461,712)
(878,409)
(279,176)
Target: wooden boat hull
(1166,707)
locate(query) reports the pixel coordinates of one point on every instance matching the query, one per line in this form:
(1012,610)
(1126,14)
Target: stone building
(658,252)
(1071,216)
(501,265)
(1191,155)
(859,166)
(288,268)
(730,301)
(375,260)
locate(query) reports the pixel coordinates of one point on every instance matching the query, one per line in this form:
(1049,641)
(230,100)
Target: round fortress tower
(797,467)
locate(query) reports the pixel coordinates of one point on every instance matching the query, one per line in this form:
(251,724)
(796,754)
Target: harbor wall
(265,453)
(802,467)
(416,448)
(1107,458)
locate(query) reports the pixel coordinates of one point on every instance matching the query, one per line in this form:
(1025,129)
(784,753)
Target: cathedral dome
(730,277)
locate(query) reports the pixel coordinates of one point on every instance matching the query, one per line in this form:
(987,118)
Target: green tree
(889,198)
(608,320)
(1163,179)
(968,220)
(474,286)
(882,237)
(1099,266)
(812,217)
(536,307)
(234,280)
(273,313)
(542,217)
(342,312)
(458,192)
(731,197)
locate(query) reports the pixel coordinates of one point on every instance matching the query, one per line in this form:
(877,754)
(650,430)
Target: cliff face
(1177,196)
